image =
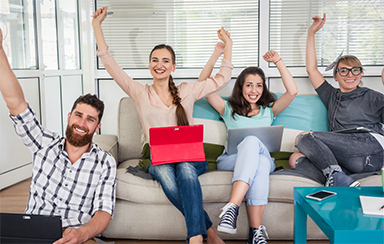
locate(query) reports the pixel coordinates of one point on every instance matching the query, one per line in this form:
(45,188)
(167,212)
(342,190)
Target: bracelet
(276,61)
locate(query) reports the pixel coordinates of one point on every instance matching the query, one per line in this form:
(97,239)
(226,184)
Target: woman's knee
(293,159)
(186,171)
(162,173)
(300,136)
(250,140)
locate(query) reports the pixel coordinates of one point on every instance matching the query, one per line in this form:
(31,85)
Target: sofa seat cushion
(136,189)
(281,186)
(216,186)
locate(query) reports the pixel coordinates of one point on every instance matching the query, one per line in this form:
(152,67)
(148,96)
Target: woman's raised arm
(310,55)
(288,81)
(98,18)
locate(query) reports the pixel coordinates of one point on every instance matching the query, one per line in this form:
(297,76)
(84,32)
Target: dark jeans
(326,151)
(181,185)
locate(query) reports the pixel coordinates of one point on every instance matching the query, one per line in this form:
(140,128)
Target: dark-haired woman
(165,104)
(250,105)
(330,157)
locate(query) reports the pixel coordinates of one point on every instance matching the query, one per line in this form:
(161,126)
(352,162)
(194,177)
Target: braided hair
(181,116)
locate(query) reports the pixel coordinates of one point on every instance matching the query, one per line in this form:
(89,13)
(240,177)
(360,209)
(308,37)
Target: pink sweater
(152,111)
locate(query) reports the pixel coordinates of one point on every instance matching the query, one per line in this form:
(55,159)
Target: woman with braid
(165,104)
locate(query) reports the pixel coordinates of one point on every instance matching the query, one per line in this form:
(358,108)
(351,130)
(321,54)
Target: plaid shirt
(58,187)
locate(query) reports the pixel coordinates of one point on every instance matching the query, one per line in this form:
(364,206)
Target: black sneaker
(228,218)
(256,235)
(341,179)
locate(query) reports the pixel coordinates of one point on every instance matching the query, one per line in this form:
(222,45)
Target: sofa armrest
(288,141)
(108,143)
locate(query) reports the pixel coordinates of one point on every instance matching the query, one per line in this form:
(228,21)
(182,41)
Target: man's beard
(78,140)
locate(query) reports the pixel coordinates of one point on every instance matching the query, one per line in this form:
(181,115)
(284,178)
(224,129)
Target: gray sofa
(143,211)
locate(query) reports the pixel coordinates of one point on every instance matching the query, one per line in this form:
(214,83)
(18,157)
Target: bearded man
(71,176)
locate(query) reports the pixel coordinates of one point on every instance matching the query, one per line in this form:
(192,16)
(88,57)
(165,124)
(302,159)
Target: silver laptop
(25,228)
(270,136)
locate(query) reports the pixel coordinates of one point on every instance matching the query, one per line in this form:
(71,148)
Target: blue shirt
(264,118)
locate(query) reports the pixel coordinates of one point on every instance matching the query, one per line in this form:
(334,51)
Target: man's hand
(72,236)
(97,224)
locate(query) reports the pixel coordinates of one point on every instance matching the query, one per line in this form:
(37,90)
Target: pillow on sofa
(281,159)
(304,113)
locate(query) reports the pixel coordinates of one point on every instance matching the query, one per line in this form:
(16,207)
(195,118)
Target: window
(357,27)
(62,23)
(17,24)
(189,26)
(49,35)
(70,34)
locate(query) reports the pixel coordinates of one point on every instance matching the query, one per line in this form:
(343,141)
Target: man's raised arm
(9,85)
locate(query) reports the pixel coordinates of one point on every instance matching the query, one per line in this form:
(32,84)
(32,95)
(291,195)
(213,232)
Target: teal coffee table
(340,217)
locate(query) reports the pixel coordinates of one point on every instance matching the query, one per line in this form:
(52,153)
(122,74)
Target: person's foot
(196,239)
(213,237)
(341,179)
(228,217)
(256,235)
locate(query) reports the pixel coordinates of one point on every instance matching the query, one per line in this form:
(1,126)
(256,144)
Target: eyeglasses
(345,71)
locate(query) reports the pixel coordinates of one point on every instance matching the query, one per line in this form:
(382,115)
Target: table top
(343,211)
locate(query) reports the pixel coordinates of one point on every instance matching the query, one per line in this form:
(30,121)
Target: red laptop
(176,144)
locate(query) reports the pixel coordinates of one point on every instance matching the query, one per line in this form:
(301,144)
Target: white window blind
(355,26)
(19,39)
(189,26)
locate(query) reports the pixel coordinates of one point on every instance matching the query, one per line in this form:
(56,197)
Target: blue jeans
(326,151)
(181,185)
(252,164)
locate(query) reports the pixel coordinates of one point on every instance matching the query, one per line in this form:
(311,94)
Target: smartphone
(321,195)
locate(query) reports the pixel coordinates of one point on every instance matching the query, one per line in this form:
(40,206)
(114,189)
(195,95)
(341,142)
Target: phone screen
(320,195)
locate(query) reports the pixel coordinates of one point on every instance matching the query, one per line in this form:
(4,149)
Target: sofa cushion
(135,189)
(304,113)
(216,186)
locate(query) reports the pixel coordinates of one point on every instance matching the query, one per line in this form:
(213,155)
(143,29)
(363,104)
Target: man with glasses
(355,142)
(71,177)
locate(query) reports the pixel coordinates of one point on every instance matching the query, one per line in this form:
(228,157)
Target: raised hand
(317,24)
(224,35)
(271,56)
(99,16)
(219,48)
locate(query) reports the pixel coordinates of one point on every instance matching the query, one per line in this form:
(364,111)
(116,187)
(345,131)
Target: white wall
(15,160)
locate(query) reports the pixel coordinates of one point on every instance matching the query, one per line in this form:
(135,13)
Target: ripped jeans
(327,151)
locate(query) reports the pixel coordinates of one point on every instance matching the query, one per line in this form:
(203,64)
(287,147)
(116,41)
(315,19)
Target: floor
(14,199)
